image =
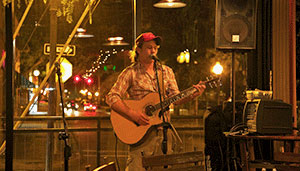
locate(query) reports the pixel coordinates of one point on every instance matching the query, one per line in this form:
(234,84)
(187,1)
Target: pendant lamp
(169,4)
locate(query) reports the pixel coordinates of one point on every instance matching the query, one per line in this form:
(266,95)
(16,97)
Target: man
(138,80)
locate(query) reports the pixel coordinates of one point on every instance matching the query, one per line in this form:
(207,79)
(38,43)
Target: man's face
(148,48)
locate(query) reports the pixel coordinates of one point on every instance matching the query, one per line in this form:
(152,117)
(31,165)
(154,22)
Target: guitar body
(126,130)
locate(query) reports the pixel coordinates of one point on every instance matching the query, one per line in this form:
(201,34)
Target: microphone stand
(63,135)
(164,124)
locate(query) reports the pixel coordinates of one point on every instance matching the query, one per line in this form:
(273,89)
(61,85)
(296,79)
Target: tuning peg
(215,84)
(209,78)
(208,82)
(220,81)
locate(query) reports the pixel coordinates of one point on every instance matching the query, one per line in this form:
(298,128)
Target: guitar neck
(179,96)
(167,102)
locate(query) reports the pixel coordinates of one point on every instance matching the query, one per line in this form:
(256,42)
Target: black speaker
(235,24)
(268,117)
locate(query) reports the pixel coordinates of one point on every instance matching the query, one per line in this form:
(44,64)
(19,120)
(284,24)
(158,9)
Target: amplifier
(268,116)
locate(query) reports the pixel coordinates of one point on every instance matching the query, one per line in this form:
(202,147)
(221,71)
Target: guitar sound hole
(149,109)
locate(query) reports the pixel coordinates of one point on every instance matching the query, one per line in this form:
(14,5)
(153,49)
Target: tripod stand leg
(176,134)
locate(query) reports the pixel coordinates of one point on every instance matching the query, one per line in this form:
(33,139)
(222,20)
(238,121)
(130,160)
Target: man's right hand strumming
(137,117)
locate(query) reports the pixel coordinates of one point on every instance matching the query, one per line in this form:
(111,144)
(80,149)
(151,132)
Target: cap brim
(157,40)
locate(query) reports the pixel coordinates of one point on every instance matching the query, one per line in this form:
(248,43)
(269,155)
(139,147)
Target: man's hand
(135,116)
(139,118)
(200,89)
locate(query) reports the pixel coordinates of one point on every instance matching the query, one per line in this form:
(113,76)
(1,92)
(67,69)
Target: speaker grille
(239,6)
(235,24)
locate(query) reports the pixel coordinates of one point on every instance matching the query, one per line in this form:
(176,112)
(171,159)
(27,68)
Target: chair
(188,161)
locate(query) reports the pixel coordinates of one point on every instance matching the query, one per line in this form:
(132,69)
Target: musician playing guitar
(132,120)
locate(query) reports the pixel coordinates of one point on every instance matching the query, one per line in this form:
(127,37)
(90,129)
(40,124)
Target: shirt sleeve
(120,87)
(172,87)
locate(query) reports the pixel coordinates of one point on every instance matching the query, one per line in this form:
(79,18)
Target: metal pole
(134,21)
(137,13)
(233,105)
(18,28)
(292,54)
(98,141)
(52,85)
(233,88)
(99,88)
(9,87)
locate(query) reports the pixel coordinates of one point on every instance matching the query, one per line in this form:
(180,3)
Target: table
(285,160)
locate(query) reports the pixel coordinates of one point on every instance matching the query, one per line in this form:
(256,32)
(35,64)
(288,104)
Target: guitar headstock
(213,82)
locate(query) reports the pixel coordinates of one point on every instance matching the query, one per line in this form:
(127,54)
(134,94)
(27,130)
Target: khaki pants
(150,146)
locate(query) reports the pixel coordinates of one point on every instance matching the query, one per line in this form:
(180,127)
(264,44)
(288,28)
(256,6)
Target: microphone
(154,57)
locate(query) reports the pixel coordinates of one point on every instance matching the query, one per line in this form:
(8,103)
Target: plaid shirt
(137,83)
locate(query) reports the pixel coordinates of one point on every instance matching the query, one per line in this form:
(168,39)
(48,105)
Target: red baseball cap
(146,37)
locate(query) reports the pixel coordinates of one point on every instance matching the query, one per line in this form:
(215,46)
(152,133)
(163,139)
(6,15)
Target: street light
(89,81)
(218,69)
(36,73)
(77,78)
(84,92)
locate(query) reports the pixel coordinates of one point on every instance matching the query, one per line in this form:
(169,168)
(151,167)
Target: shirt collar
(139,66)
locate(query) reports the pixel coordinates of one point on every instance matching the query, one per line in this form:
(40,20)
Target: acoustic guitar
(131,133)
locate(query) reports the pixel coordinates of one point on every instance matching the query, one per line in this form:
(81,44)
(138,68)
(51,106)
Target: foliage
(5,2)
(67,9)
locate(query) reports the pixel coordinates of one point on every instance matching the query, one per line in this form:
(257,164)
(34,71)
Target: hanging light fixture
(169,4)
(81,33)
(116,41)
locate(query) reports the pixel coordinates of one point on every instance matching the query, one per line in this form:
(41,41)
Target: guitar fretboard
(185,93)
(175,98)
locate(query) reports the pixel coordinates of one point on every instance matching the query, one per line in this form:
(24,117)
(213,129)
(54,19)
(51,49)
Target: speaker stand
(233,85)
(233,104)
